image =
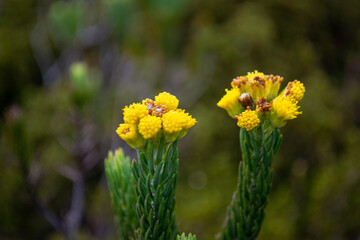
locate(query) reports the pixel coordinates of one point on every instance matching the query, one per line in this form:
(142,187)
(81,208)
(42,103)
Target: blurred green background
(55,129)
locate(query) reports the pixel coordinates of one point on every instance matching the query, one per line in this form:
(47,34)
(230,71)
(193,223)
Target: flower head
(258,92)
(230,102)
(248,120)
(170,101)
(149,126)
(173,122)
(295,90)
(176,123)
(284,109)
(126,131)
(129,134)
(134,113)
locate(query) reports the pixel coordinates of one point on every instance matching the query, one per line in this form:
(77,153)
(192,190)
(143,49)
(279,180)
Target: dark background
(55,132)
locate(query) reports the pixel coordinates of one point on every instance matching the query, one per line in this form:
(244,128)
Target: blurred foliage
(192,49)
(66,19)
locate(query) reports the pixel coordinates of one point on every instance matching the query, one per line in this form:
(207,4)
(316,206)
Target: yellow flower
(248,120)
(170,101)
(230,102)
(295,90)
(149,126)
(174,121)
(272,86)
(189,121)
(134,113)
(126,131)
(129,134)
(283,109)
(176,124)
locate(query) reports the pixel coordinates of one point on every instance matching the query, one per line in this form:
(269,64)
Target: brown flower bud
(246,100)
(262,105)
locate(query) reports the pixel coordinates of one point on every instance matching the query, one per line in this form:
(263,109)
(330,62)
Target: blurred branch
(69,173)
(86,159)
(73,217)
(48,215)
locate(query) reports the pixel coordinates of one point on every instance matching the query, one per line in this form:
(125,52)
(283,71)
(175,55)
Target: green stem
(156,175)
(247,209)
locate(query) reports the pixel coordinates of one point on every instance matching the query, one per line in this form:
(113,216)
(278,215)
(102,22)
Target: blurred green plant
(184,237)
(66,19)
(121,185)
(66,116)
(85,82)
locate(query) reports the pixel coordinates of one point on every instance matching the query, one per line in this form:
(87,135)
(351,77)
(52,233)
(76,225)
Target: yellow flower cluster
(254,99)
(150,120)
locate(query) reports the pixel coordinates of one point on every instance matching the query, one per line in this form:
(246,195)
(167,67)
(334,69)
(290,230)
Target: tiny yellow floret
(134,113)
(149,126)
(250,75)
(190,122)
(230,101)
(127,132)
(248,120)
(170,101)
